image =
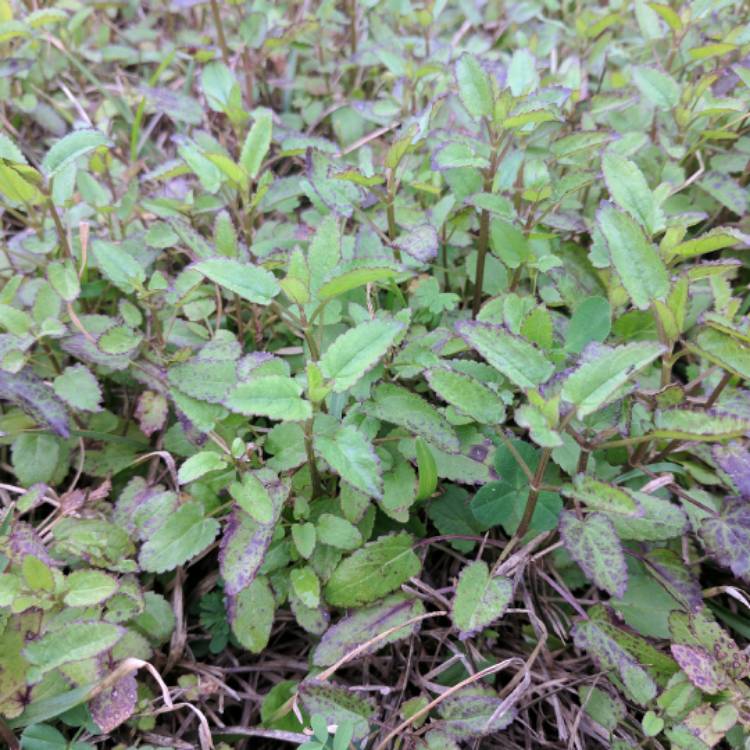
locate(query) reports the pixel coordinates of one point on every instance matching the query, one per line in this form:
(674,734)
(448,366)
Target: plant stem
(63,237)
(317,487)
(711,400)
(220,32)
(484,237)
(528,512)
(484,227)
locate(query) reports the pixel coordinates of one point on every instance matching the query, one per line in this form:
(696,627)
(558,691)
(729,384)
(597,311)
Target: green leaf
(716,239)
(253,283)
(602,640)
(657,87)
(635,259)
(517,359)
(473,711)
(629,189)
(253,497)
(349,453)
(306,585)
(357,275)
(359,627)
(480,599)
(723,350)
(272,396)
(79,388)
(508,243)
(599,380)
(426,470)
(69,148)
(199,464)
(305,538)
(338,532)
(474,86)
(87,587)
(324,254)
(373,571)
(601,496)
(358,350)
(603,708)
(591,321)
(652,519)
(251,615)
(337,705)
(37,574)
(43,737)
(85,640)
(726,191)
(257,142)
(593,543)
(467,394)
(503,501)
(118,265)
(63,277)
(685,424)
(185,534)
(35,457)
(396,405)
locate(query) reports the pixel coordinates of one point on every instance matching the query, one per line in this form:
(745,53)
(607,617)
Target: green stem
(317,487)
(220,32)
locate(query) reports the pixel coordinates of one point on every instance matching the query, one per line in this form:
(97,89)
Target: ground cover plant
(374,374)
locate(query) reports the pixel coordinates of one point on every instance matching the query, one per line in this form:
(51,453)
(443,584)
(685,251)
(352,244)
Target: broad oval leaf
(349,453)
(688,424)
(593,543)
(82,641)
(272,396)
(71,147)
(520,361)
(373,571)
(253,283)
(337,705)
(354,277)
(355,352)
(184,534)
(467,394)
(600,378)
(474,86)
(251,613)
(363,624)
(480,599)
(395,404)
(635,259)
(629,189)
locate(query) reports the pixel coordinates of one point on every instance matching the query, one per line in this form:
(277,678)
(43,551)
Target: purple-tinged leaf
(600,639)
(359,627)
(251,612)
(700,667)
(593,543)
(734,459)
(421,243)
(33,396)
(337,705)
(25,541)
(142,508)
(473,712)
(151,412)
(115,705)
(243,548)
(672,573)
(727,536)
